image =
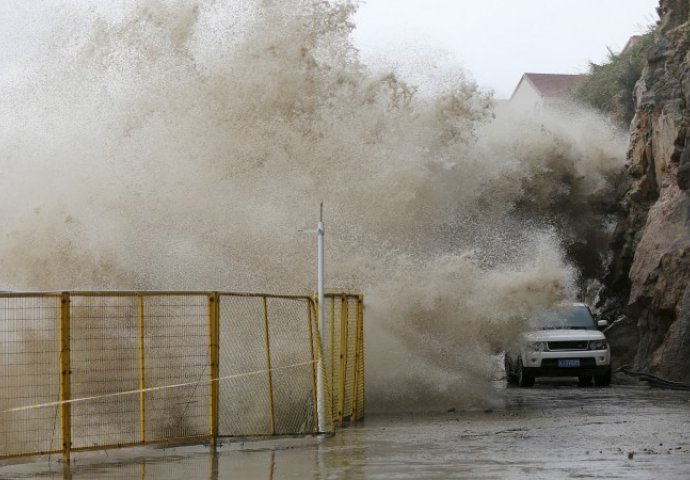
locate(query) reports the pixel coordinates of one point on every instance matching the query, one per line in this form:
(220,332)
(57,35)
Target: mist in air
(183,144)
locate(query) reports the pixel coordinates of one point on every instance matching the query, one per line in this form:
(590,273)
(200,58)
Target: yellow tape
(152,389)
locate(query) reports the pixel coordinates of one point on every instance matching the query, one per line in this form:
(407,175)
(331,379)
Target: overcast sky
(498,40)
(495,40)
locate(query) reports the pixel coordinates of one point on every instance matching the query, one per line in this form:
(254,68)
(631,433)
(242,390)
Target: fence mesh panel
(104,354)
(292,374)
(30,374)
(243,388)
(176,366)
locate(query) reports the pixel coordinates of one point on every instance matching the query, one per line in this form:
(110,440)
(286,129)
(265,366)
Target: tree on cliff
(610,85)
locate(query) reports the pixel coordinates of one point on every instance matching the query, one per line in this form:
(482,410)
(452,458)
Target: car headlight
(598,345)
(537,346)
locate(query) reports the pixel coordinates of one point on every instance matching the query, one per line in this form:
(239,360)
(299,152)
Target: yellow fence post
(214,354)
(361,360)
(268,368)
(343,358)
(333,407)
(310,306)
(142,379)
(358,362)
(65,384)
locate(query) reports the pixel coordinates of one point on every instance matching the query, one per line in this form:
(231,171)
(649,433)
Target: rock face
(651,263)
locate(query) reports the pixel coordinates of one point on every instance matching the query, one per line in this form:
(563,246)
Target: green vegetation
(610,85)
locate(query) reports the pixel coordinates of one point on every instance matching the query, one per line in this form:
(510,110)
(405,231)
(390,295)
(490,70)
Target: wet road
(551,431)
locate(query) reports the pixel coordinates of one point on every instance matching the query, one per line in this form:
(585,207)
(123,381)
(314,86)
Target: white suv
(566,343)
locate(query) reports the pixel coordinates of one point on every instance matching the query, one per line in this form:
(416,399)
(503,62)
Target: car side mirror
(602,324)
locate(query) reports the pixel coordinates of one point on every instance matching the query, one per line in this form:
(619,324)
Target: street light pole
(321,279)
(321,407)
(320,232)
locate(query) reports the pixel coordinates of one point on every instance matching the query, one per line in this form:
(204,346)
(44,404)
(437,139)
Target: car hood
(563,335)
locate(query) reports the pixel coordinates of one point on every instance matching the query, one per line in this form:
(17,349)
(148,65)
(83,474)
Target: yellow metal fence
(95,370)
(344,356)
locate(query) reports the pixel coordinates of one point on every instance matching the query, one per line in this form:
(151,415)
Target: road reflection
(550,431)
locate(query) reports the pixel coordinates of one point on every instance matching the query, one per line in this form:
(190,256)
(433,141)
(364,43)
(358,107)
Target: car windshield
(575,316)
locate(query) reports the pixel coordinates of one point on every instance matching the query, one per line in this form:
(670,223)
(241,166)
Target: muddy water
(552,431)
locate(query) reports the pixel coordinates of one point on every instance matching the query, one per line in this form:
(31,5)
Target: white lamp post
(321,279)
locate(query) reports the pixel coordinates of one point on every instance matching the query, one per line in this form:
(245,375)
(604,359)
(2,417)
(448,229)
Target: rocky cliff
(649,282)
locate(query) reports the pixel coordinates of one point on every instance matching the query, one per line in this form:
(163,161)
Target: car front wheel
(603,380)
(508,364)
(524,379)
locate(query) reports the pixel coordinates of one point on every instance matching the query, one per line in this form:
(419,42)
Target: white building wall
(527,99)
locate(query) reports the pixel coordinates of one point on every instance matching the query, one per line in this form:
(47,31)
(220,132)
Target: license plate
(568,363)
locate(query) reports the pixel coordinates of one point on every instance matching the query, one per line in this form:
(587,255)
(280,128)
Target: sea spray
(183,144)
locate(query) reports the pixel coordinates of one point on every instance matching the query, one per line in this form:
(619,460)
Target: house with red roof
(537,91)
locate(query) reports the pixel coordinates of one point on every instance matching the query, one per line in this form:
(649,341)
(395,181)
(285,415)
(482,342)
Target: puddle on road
(550,431)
